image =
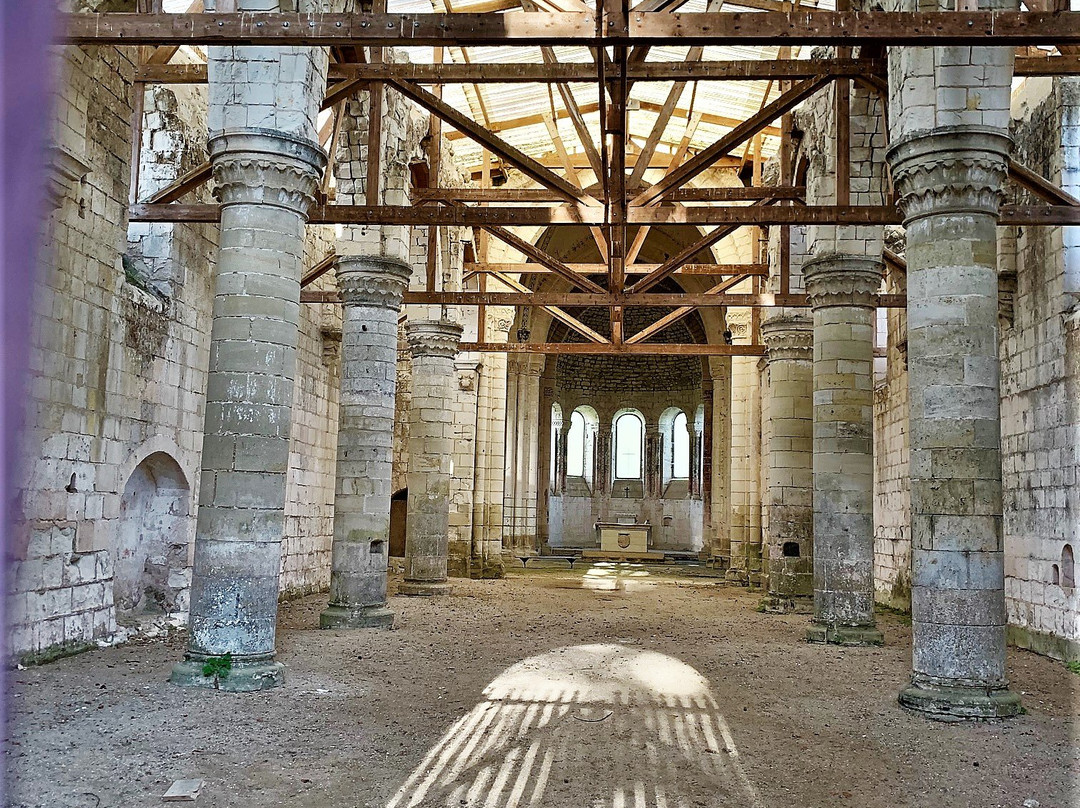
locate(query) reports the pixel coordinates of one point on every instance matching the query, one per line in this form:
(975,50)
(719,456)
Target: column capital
(952,169)
(842,280)
(789,336)
(433,337)
(266,167)
(368,280)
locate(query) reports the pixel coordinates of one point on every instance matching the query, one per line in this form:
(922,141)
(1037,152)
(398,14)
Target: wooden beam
(436,106)
(673,317)
(551,160)
(532,195)
(1040,186)
(320,269)
(587,348)
(940,28)
(562,72)
(554,311)
(587,300)
(1047,66)
(858,28)
(648,106)
(541,257)
(567,215)
(596,269)
(745,130)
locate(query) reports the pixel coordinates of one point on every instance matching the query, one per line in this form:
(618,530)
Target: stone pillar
(714,445)
(949,181)
(603,462)
(653,462)
(266,181)
(841,290)
(371,290)
(433,344)
(790,486)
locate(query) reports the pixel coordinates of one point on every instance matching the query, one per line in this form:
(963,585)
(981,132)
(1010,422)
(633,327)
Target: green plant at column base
(1074,666)
(218,667)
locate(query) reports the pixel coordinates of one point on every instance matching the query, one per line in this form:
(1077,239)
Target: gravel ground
(610,686)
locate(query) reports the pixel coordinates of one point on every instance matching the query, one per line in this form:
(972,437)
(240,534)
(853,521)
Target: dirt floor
(622,687)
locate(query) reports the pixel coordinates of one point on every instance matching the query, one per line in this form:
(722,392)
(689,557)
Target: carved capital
(842,280)
(265,167)
(433,338)
(372,281)
(789,336)
(959,169)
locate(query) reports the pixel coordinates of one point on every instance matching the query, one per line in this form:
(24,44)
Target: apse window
(575,446)
(629,432)
(680,448)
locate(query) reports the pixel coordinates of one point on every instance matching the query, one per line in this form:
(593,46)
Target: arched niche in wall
(150,552)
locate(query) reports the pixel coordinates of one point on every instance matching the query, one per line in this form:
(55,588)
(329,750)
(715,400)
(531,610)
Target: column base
(246,676)
(424,588)
(844,635)
(488,572)
(738,576)
(786,604)
(944,703)
(360,617)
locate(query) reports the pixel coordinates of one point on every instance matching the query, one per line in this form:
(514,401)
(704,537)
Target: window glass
(680,448)
(628,447)
(575,446)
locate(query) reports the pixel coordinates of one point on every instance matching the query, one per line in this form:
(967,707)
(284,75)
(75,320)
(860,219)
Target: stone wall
(892,503)
(309,492)
(1040,352)
(118,378)
(119,351)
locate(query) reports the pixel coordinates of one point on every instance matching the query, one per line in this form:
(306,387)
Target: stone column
(789,495)
(714,451)
(653,462)
(433,344)
(841,290)
(949,181)
(265,181)
(371,291)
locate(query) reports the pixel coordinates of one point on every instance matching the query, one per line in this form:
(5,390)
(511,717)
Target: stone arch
(152,540)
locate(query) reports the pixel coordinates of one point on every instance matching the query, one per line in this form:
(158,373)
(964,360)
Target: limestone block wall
(309,492)
(1040,353)
(892,497)
(116,398)
(119,351)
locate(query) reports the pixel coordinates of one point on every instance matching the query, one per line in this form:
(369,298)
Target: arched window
(1068,568)
(575,446)
(680,448)
(629,432)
